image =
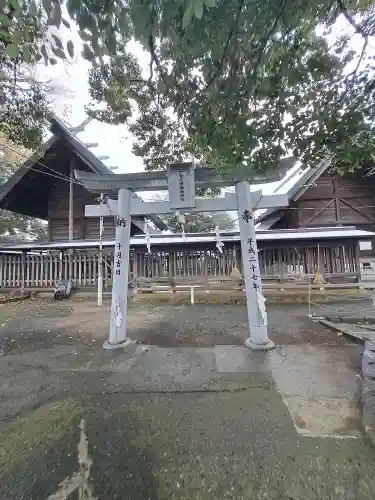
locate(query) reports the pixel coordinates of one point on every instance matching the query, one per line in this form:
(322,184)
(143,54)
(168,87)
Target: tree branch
(152,50)
(358,29)
(360,59)
(349,18)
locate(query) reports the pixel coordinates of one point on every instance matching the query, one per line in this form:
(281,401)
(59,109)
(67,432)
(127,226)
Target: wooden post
(357,264)
(71,217)
(205,268)
(135,275)
(61,263)
(23,273)
(100,262)
(71,199)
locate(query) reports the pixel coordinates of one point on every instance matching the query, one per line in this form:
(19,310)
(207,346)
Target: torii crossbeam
(181,181)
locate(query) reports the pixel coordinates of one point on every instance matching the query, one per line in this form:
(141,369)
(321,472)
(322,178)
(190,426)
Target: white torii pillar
(181,186)
(256,310)
(120,274)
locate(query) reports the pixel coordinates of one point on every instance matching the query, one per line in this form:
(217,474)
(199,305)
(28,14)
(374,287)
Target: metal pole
(119,314)
(257,315)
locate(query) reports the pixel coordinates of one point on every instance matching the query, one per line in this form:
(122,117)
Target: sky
(116,141)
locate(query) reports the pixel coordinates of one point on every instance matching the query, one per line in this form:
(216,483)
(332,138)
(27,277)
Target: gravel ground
(37,323)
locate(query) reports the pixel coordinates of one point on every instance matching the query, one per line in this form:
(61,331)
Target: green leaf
(65,23)
(209,3)
(123,22)
(57,41)
(16,6)
(47,6)
(5,21)
(55,16)
(58,52)
(70,48)
(84,36)
(188,15)
(33,9)
(87,53)
(27,55)
(198,9)
(13,50)
(43,51)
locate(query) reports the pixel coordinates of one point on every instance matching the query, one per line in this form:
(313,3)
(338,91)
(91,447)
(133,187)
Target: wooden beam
(229,203)
(336,190)
(356,209)
(315,214)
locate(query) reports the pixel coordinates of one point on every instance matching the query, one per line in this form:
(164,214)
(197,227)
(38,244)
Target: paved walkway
(185,423)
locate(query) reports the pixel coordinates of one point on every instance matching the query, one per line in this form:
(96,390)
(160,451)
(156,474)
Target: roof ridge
(300,186)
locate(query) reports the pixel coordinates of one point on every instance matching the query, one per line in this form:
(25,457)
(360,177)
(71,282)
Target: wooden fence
(43,271)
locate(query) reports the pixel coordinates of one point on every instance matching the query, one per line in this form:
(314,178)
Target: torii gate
(181,180)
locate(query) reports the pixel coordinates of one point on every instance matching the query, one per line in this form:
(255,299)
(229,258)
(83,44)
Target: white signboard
(365,245)
(181,186)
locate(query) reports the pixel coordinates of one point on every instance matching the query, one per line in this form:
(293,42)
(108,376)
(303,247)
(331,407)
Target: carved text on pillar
(120,221)
(118,261)
(247,215)
(252,251)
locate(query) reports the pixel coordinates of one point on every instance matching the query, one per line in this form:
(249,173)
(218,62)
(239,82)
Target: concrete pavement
(186,423)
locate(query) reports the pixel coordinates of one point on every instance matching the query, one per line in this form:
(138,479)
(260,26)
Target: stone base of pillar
(123,345)
(259,347)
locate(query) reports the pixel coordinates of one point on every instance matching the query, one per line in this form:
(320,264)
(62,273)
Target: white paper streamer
(118,314)
(181,218)
(147,238)
(219,242)
(262,307)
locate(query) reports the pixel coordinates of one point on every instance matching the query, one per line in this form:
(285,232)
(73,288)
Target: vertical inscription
(120,221)
(254,274)
(118,259)
(181,184)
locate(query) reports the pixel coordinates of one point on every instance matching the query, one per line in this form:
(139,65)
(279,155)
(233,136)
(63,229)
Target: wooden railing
(43,271)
